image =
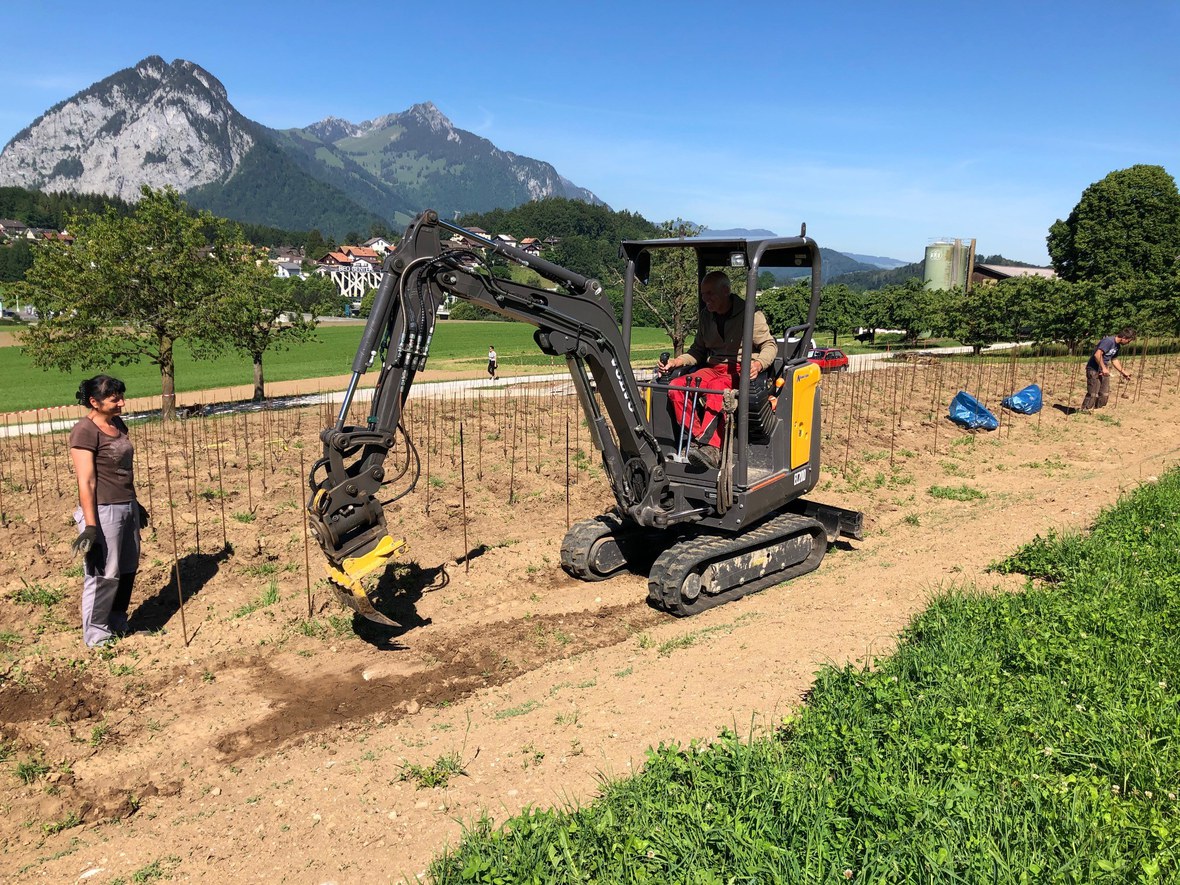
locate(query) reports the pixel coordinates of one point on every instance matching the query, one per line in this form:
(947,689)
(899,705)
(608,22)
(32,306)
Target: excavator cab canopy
(715,252)
(753,255)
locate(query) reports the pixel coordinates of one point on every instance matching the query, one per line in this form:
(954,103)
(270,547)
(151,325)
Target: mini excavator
(703,535)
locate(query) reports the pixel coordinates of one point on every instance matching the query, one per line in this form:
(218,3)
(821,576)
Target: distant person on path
(1098,367)
(108,516)
(492,361)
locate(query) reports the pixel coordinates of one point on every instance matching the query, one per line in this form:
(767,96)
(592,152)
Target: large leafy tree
(130,287)
(786,306)
(15,259)
(672,293)
(908,306)
(1058,310)
(986,314)
(1162,301)
(839,310)
(315,295)
(1125,226)
(254,313)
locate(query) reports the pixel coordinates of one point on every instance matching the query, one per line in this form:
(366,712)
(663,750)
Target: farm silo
(947,264)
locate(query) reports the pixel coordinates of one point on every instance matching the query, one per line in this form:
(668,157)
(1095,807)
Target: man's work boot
(705,456)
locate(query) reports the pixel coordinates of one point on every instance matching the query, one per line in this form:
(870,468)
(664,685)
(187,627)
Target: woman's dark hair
(99,387)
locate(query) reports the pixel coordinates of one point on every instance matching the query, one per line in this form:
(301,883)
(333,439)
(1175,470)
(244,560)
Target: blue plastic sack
(969,412)
(1026,402)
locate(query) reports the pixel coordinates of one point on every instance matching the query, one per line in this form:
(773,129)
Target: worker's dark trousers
(1097,390)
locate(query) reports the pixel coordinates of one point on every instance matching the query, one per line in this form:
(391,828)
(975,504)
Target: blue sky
(883,125)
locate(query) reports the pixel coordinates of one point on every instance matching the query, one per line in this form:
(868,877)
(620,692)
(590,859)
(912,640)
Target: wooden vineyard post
(249,475)
(221,489)
(848,435)
(567,471)
(463,496)
(869,398)
(894,418)
(512,465)
(175,556)
(429,446)
(36,490)
(196,497)
(306,559)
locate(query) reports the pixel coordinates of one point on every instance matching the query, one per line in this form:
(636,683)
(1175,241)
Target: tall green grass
(1026,737)
(456,345)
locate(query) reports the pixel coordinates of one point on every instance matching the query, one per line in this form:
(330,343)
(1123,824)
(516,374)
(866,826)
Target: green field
(457,346)
(1013,737)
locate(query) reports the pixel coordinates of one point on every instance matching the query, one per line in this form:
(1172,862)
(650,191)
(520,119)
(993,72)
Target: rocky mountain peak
(427,113)
(156,123)
(171,124)
(332,129)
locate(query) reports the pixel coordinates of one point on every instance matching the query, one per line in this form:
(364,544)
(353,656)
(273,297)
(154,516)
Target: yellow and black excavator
(703,535)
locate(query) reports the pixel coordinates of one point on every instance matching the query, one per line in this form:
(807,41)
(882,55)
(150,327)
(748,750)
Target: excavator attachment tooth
(347,580)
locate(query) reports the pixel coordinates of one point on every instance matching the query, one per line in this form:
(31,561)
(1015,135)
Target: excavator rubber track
(704,571)
(595,549)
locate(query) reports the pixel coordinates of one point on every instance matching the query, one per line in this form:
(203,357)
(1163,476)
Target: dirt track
(273,747)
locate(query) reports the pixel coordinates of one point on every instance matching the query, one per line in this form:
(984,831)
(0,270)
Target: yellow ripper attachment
(346,580)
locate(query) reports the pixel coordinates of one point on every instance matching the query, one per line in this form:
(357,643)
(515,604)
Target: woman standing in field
(108,516)
(492,361)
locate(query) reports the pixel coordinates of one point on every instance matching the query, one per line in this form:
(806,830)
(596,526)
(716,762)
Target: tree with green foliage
(465,310)
(130,287)
(15,260)
(840,311)
(38,209)
(1161,301)
(1058,310)
(908,306)
(672,292)
(1125,226)
(316,295)
(785,306)
(588,236)
(379,229)
(254,312)
(986,314)
(315,246)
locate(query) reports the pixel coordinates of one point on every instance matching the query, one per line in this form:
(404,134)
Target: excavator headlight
(737,259)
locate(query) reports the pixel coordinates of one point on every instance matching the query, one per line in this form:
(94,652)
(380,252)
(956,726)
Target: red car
(829,359)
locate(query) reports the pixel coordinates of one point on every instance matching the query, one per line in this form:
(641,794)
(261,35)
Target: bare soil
(278,746)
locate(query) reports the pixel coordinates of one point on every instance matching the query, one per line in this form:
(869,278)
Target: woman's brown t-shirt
(113,460)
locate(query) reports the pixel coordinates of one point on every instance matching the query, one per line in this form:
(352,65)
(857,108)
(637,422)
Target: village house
(380,245)
(10,227)
(289,270)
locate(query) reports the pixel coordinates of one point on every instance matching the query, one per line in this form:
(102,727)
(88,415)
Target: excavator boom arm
(575,321)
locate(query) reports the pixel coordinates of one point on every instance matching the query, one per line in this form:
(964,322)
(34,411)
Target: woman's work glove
(85,541)
(144,518)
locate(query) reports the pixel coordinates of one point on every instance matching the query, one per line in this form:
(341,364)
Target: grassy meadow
(457,346)
(1024,737)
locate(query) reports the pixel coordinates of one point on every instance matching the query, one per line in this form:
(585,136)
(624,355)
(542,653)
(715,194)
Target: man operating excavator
(717,350)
